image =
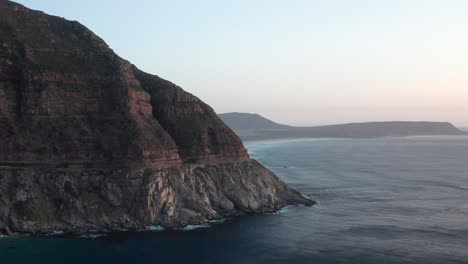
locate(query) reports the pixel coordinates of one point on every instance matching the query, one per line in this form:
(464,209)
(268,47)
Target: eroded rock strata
(88,141)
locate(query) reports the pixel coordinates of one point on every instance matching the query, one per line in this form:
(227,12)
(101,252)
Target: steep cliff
(87,140)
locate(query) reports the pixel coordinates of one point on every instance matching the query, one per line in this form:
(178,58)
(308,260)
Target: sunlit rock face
(87,140)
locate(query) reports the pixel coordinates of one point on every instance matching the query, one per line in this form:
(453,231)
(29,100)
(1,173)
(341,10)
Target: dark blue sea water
(393,200)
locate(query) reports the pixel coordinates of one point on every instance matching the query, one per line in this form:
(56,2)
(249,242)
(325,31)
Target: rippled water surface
(395,200)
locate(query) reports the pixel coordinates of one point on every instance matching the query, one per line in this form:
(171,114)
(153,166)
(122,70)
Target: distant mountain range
(257,127)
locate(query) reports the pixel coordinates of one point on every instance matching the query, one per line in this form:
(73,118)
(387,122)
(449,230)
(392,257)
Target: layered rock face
(87,140)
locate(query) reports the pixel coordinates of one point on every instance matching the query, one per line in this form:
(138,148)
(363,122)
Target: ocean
(388,200)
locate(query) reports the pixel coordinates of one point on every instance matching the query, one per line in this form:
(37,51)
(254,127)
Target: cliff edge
(88,141)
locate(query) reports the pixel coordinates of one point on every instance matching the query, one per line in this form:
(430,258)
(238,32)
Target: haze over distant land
(256,127)
(345,61)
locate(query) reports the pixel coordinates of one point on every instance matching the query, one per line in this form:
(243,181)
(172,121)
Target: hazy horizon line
(464,126)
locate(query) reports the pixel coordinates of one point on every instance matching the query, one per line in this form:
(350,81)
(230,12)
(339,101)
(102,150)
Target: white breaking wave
(193,227)
(152,228)
(93,236)
(218,221)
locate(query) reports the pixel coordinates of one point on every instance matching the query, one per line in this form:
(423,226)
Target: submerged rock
(88,141)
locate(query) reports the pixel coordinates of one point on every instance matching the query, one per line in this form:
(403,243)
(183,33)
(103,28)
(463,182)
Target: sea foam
(193,227)
(152,228)
(92,236)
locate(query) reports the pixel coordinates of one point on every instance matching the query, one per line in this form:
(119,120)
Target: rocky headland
(88,141)
(256,127)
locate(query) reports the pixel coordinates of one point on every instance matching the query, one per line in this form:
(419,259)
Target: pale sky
(298,62)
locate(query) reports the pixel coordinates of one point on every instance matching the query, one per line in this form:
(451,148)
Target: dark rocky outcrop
(256,127)
(44,200)
(87,140)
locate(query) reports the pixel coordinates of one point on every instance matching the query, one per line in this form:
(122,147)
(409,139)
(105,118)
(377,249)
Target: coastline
(252,142)
(78,201)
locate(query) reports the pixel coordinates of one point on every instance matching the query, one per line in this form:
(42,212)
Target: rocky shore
(46,200)
(89,141)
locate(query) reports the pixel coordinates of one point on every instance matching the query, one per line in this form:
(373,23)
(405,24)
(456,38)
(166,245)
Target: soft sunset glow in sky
(299,62)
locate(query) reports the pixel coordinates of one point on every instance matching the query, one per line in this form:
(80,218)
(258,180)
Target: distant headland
(256,127)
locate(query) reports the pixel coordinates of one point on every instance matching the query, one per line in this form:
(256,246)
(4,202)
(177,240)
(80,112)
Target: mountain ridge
(88,141)
(348,130)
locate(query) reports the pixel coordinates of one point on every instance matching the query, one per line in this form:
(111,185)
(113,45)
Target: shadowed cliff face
(89,141)
(195,128)
(61,82)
